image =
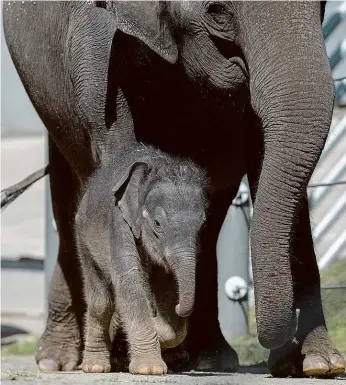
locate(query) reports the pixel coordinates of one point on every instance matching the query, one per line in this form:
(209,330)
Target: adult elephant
(201,79)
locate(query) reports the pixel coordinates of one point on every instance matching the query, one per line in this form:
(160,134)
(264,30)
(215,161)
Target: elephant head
(276,51)
(164,203)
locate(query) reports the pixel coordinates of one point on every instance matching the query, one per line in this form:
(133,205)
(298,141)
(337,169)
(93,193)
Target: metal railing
(339,53)
(319,195)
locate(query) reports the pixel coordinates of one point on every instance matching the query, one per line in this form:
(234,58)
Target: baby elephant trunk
(184,269)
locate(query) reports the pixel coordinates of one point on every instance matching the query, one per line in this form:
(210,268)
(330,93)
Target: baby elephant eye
(157,223)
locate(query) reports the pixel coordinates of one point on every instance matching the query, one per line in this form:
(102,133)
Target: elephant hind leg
(59,348)
(311,353)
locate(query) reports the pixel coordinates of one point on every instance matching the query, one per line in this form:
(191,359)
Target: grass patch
(22,348)
(249,350)
(334,304)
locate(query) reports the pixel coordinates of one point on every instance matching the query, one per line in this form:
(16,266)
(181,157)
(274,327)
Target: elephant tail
(9,194)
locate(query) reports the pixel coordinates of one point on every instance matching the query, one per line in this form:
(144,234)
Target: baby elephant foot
(96,365)
(148,365)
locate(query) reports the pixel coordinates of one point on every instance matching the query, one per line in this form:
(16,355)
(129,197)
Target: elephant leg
(176,358)
(59,348)
(100,308)
(311,353)
(205,343)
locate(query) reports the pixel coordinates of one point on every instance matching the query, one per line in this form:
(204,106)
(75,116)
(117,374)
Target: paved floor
(22,370)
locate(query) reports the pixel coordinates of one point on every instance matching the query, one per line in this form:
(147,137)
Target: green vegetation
(334,304)
(23,348)
(250,352)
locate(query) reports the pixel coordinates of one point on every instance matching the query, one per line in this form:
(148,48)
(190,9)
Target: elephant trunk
(183,266)
(292,93)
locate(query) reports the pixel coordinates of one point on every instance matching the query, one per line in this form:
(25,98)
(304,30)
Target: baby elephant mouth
(184,269)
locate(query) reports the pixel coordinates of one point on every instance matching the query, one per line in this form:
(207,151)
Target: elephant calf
(137,229)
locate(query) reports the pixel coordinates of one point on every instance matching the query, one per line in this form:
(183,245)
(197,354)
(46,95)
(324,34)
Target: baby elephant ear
(128,188)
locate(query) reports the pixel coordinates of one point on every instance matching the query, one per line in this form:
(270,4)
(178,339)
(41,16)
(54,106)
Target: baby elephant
(137,230)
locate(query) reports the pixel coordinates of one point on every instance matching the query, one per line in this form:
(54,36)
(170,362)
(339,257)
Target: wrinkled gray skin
(142,210)
(239,87)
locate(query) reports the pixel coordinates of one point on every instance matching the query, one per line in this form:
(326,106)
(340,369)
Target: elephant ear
(149,22)
(127,192)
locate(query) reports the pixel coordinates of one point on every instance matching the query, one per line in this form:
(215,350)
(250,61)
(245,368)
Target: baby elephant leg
(100,308)
(144,346)
(133,303)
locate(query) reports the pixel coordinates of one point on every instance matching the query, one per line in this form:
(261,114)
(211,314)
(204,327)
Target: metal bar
(333,175)
(338,55)
(334,21)
(22,263)
(333,287)
(315,185)
(336,133)
(232,251)
(333,251)
(340,91)
(329,219)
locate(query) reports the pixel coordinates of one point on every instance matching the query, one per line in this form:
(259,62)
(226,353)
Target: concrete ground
(22,370)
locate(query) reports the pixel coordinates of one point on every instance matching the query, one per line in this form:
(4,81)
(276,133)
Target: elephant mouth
(239,63)
(232,54)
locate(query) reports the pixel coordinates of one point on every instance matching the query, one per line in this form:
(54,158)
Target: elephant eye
(157,223)
(216,8)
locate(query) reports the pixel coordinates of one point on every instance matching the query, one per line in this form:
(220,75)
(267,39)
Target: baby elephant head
(165,205)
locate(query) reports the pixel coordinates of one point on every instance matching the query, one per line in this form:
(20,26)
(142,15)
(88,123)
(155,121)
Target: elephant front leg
(133,302)
(311,353)
(135,312)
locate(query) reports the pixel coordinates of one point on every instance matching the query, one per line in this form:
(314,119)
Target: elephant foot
(316,356)
(96,365)
(59,348)
(219,359)
(318,365)
(148,365)
(57,356)
(176,358)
